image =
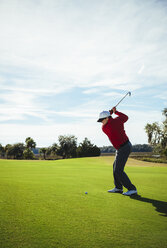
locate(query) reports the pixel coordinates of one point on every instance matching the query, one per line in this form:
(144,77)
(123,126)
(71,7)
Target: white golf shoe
(130,192)
(115,190)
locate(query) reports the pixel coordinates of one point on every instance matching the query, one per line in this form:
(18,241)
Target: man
(114,129)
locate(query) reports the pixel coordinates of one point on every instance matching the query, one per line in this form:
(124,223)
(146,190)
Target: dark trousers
(120,177)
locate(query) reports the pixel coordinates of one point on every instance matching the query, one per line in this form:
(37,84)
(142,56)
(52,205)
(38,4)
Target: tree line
(157,135)
(66,148)
(67,145)
(135,148)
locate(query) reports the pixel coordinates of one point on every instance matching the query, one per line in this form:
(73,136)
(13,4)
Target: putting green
(43,205)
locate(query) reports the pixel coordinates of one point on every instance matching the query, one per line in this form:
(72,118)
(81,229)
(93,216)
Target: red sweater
(114,129)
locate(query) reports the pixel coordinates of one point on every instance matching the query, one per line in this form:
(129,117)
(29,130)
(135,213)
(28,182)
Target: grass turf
(43,204)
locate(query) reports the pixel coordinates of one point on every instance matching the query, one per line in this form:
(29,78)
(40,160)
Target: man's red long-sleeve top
(114,129)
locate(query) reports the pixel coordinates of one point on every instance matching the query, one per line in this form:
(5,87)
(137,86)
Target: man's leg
(117,182)
(121,157)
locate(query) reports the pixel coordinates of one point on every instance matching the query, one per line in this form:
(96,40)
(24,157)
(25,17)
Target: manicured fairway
(43,205)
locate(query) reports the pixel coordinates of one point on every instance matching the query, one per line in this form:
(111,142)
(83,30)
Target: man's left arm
(122,116)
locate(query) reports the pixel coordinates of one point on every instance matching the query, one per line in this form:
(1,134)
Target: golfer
(114,129)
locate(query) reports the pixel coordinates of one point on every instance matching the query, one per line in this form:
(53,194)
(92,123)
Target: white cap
(103,115)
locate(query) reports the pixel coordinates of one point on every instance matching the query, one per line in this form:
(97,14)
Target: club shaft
(121,99)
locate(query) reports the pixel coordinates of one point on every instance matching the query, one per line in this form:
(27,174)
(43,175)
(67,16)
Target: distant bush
(154,160)
(86,149)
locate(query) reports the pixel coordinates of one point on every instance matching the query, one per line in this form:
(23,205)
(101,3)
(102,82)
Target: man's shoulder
(116,119)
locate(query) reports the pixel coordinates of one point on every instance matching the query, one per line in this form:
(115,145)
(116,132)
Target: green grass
(43,205)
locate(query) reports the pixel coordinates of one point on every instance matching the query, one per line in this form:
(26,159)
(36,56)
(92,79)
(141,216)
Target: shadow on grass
(160,206)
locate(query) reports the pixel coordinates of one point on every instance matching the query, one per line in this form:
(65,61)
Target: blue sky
(62,62)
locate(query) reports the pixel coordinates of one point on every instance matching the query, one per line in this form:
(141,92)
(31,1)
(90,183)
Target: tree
(42,152)
(30,143)
(8,151)
(2,151)
(107,149)
(54,148)
(14,151)
(52,151)
(157,135)
(67,146)
(18,150)
(28,154)
(86,149)
(164,133)
(154,133)
(164,112)
(48,151)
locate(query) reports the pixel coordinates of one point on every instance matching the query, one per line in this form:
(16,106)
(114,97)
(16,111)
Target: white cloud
(162,95)
(91,90)
(34,90)
(141,69)
(105,48)
(39,38)
(46,135)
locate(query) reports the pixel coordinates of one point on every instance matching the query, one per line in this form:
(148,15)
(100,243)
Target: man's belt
(124,143)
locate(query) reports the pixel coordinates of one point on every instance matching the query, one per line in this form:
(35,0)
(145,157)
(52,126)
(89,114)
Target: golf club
(129,93)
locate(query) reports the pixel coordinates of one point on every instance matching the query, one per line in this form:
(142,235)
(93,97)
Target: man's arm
(122,116)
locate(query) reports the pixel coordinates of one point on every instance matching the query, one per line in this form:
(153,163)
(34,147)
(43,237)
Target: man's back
(114,129)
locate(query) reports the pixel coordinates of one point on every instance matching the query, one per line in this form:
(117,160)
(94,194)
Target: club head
(129,93)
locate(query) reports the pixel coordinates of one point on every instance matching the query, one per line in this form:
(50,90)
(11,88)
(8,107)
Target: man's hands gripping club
(113,110)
